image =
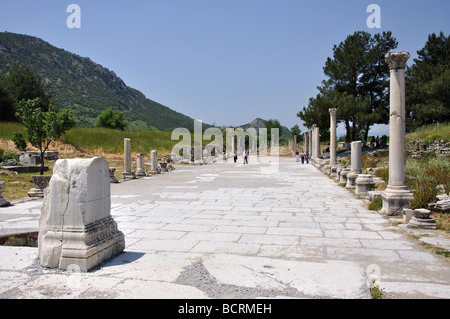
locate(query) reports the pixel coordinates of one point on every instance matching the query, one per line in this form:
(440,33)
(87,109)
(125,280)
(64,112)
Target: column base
(395,201)
(128,175)
(364,184)
(80,248)
(140,172)
(351,178)
(3,202)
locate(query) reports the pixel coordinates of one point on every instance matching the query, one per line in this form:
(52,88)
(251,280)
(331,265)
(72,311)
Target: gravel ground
(196,275)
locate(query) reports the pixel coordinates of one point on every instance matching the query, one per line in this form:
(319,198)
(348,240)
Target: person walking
(307,158)
(235,157)
(303,158)
(245,157)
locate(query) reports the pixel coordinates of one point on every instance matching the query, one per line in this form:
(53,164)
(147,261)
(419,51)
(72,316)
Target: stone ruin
(28,162)
(76,230)
(442,204)
(420,148)
(3,202)
(419,218)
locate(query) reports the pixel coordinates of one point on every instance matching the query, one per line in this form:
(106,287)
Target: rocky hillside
(260,123)
(83,86)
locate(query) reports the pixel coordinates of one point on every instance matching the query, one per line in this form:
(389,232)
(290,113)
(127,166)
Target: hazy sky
(221,61)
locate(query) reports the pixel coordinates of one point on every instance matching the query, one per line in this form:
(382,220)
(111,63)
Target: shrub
(426,179)
(376,204)
(19,141)
(6,155)
(383,173)
(112,119)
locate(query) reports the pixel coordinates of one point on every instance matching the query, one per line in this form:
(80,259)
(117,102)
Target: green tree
(19,141)
(358,68)
(7,105)
(428,82)
(295,130)
(357,75)
(112,119)
(43,127)
(272,124)
(24,84)
(317,112)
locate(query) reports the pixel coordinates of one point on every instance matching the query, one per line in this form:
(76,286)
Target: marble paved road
(241,231)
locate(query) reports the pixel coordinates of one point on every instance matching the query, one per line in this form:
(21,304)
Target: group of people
(377,142)
(235,157)
(245,155)
(303,156)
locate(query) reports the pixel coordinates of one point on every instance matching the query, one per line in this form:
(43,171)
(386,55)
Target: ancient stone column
(154,163)
(140,165)
(313,140)
(356,164)
(316,141)
(333,158)
(40,184)
(356,157)
(127,173)
(306,142)
(3,202)
(397,196)
(310,143)
(76,230)
(295,144)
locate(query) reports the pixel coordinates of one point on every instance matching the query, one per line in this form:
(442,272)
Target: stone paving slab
(230,230)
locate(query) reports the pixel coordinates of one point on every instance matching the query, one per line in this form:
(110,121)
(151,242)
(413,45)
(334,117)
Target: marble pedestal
(364,183)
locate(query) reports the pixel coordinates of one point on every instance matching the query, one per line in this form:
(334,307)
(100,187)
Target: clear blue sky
(221,61)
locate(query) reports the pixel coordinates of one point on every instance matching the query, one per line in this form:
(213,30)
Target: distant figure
(245,157)
(303,158)
(235,157)
(307,158)
(297,157)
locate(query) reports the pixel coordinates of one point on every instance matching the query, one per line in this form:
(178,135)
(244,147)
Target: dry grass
(442,221)
(18,185)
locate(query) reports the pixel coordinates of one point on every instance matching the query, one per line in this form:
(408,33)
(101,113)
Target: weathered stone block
(3,202)
(112,177)
(351,178)
(343,175)
(395,201)
(421,219)
(364,183)
(154,163)
(40,184)
(140,170)
(76,228)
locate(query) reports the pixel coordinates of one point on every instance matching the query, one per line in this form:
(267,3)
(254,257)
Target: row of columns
(397,196)
(140,163)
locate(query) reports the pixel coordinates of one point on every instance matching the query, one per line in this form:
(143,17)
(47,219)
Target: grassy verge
(430,133)
(82,143)
(111,141)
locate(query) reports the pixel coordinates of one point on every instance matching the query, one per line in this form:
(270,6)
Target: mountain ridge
(85,87)
(260,123)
